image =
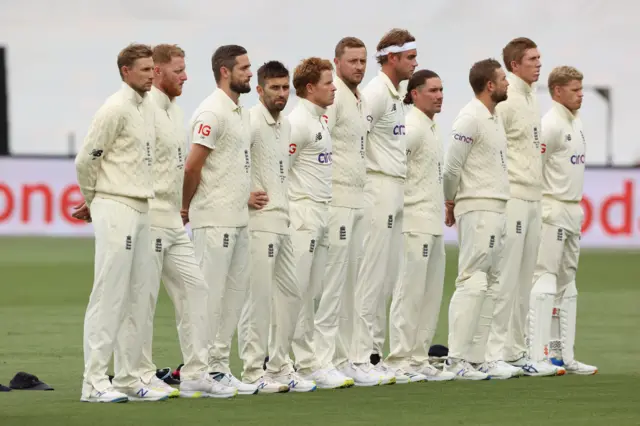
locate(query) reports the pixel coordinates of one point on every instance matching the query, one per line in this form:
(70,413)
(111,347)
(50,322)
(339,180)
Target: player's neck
(485,98)
(393,76)
(350,86)
(235,96)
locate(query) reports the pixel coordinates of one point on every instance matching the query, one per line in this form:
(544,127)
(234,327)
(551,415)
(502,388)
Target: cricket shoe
(575,367)
(463,370)
(330,378)
(269,385)
(161,386)
(498,370)
(533,368)
(402,377)
(230,380)
(386,377)
(206,387)
(361,378)
(295,383)
(433,374)
(91,394)
(142,393)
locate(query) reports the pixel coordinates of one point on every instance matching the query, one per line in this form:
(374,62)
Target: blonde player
(270,314)
(501,332)
(310,195)
(416,303)
(554,290)
(216,191)
(174,258)
(384,199)
(114,169)
(348,126)
(476,190)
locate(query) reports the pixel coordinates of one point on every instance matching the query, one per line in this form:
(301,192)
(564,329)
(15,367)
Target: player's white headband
(396,49)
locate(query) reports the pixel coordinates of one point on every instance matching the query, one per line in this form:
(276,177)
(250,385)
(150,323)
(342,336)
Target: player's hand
(82,212)
(258,199)
(449,218)
(184,214)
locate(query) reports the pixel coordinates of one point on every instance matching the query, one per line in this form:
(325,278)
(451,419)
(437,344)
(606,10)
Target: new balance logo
(158,245)
(127,243)
(96,153)
(312,246)
(492,241)
(425,250)
(292,384)
(393,108)
(390,221)
(225,240)
(518,227)
(343,232)
(560,234)
(142,392)
(270,250)
(319,136)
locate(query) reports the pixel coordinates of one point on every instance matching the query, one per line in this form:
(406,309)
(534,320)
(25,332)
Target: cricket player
(270,314)
(384,200)
(174,259)
(476,190)
(501,332)
(553,305)
(309,196)
(216,192)
(348,126)
(416,302)
(114,170)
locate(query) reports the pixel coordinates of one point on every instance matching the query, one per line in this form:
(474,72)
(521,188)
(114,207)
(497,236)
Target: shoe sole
(439,379)
(282,389)
(113,401)
(297,390)
(195,395)
(582,373)
(191,395)
(367,384)
(162,398)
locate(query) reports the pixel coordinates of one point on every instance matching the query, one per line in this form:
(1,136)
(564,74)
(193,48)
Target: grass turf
(45,285)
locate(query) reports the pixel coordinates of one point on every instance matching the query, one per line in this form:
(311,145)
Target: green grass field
(45,286)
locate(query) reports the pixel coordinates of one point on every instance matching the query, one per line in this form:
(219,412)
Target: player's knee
(545,284)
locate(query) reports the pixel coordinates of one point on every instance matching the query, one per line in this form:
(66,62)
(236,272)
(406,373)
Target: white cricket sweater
(168,167)
(423,195)
(309,153)
(270,169)
(475,172)
(116,158)
(520,115)
(223,193)
(563,155)
(348,126)
(386,146)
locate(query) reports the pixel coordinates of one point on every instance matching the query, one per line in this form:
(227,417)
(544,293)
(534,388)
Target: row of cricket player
(305,226)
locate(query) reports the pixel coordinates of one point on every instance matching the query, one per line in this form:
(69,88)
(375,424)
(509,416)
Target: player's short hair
(563,75)
(481,73)
(395,37)
(225,56)
(164,53)
(418,79)
(309,71)
(348,43)
(130,54)
(514,51)
(271,69)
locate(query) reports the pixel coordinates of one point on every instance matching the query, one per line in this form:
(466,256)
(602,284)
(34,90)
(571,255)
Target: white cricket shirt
(223,193)
(386,146)
(116,158)
(423,195)
(563,155)
(348,126)
(475,172)
(269,169)
(309,153)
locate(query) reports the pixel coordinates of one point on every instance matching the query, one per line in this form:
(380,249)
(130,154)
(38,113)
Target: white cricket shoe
(295,383)
(402,377)
(142,393)
(498,371)
(230,380)
(433,374)
(329,378)
(463,370)
(268,385)
(533,368)
(361,377)
(159,385)
(205,387)
(576,367)
(91,394)
(387,377)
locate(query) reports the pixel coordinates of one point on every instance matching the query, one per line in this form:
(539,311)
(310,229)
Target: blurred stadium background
(57,65)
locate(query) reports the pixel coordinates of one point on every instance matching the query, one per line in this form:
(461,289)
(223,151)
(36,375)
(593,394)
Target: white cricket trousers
(270,314)
(118,304)
(481,236)
(174,261)
(501,332)
(309,234)
(383,249)
(223,256)
(553,304)
(416,302)
(334,317)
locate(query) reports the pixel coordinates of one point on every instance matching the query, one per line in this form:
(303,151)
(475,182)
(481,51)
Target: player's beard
(240,87)
(272,106)
(498,97)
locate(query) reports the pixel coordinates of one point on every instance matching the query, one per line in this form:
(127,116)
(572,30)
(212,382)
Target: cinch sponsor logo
(325,158)
(577,159)
(398,130)
(462,138)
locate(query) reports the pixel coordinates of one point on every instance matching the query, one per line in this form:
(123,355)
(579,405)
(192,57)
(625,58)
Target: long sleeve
(462,139)
(299,140)
(104,129)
